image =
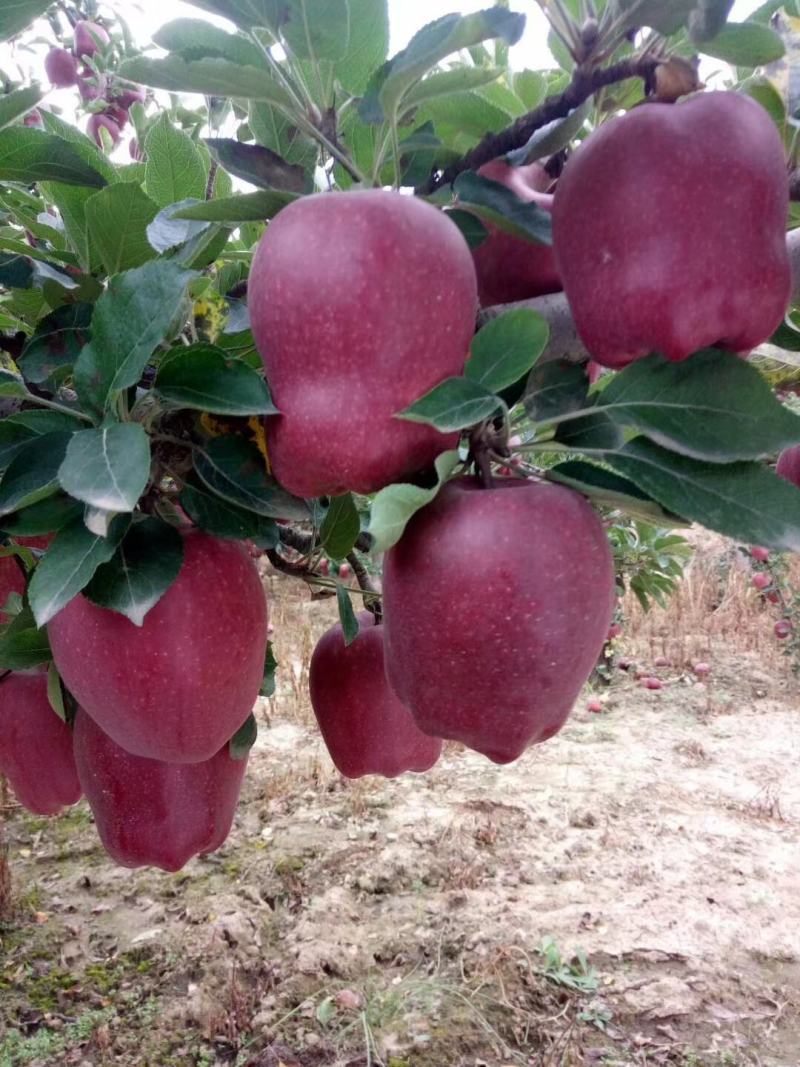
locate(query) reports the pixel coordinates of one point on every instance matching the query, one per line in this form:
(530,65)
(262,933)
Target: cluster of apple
(158,706)
(65,69)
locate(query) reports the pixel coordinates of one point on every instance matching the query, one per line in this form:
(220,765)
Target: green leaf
(11,384)
(506,348)
(556,389)
(452,405)
(220,518)
(107,468)
(16,15)
(666,17)
(260,166)
(211,77)
(199,39)
(248,207)
(367,45)
(472,229)
(745,44)
(55,345)
(145,564)
(29,155)
(708,18)
(243,740)
(589,432)
(130,319)
(45,517)
(742,500)
(347,617)
(393,506)
(610,490)
(234,469)
(74,555)
(205,377)
(316,29)
(551,138)
(244,13)
(55,690)
(495,203)
(83,144)
(32,474)
(445,82)
(433,43)
(174,169)
(117,218)
(340,527)
(17,103)
(712,406)
(270,666)
(22,644)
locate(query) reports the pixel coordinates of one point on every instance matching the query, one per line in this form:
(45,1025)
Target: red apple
(761,580)
(35,745)
(61,68)
(662,661)
(497,603)
(365,727)
(98,122)
(788,465)
(344,571)
(360,302)
(177,687)
(130,95)
(652,683)
(89,38)
(508,267)
(759,554)
(783,628)
(701,669)
(324,568)
(150,813)
(669,226)
(595,706)
(614,630)
(91,86)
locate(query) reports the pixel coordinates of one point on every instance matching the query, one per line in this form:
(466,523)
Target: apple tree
(426,317)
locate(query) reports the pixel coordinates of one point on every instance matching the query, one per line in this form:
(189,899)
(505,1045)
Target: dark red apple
(788,465)
(360,302)
(35,745)
(497,603)
(150,813)
(783,627)
(508,267)
(180,685)
(365,727)
(130,95)
(89,38)
(91,87)
(761,580)
(61,68)
(98,122)
(760,554)
(669,226)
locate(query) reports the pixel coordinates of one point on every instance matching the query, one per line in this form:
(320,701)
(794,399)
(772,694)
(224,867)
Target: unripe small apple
(130,95)
(595,706)
(118,114)
(759,554)
(662,661)
(89,38)
(614,630)
(98,122)
(783,628)
(761,580)
(61,68)
(651,682)
(324,568)
(788,465)
(91,87)
(701,669)
(344,571)
(624,663)
(33,118)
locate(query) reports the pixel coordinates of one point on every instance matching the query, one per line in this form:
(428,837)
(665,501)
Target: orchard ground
(406,923)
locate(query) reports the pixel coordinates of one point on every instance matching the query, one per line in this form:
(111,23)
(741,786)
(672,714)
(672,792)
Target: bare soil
(625,894)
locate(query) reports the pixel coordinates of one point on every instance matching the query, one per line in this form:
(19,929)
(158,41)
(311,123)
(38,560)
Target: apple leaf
(16,15)
(244,13)
(55,345)
(367,45)
(17,103)
(55,689)
(314,29)
(745,44)
(667,17)
(210,77)
(593,431)
(452,405)
(555,390)
(243,740)
(713,406)
(107,468)
(270,667)
(506,348)
(132,316)
(551,138)
(23,644)
(495,203)
(48,515)
(11,384)
(221,518)
(445,82)
(174,169)
(117,219)
(32,474)
(146,563)
(199,39)
(72,558)
(340,527)
(708,18)
(393,506)
(260,166)
(347,617)
(611,490)
(742,500)
(472,229)
(169,230)
(29,155)
(205,377)
(248,207)
(234,469)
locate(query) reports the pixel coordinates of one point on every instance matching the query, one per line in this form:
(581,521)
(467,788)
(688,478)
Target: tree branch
(585,82)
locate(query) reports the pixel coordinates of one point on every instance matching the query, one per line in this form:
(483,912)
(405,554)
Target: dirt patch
(624,894)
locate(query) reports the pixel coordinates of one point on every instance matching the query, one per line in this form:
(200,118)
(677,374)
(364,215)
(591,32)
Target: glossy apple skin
(507,267)
(179,686)
(497,603)
(61,68)
(669,226)
(154,814)
(87,34)
(360,303)
(788,465)
(365,727)
(35,745)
